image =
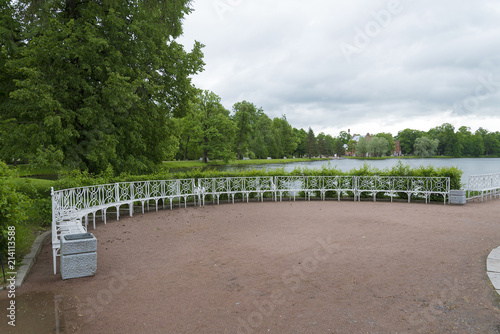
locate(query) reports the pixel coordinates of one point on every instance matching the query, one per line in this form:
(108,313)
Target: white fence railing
(483,186)
(72,207)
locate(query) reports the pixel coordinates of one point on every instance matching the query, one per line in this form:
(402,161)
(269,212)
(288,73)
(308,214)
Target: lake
(470,166)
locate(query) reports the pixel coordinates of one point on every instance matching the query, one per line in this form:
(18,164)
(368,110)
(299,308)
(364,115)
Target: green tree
(463,136)
(351,146)
(362,147)
(190,127)
(425,146)
(344,137)
(492,144)
(448,141)
(312,144)
(329,143)
(284,136)
(338,147)
(263,143)
(301,136)
(321,143)
(476,145)
(98,82)
(217,129)
(378,146)
(245,115)
(407,139)
(390,140)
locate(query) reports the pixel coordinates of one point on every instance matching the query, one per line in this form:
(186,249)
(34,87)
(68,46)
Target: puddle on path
(39,312)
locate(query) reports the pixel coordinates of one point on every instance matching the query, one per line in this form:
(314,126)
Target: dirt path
(291,267)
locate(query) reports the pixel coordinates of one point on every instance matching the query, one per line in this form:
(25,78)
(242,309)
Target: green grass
(29,185)
(26,170)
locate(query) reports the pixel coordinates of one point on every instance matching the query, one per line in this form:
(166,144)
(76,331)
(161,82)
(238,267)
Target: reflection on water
(470,166)
(41,312)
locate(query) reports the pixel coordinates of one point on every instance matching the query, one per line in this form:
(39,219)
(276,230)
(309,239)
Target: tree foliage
(245,118)
(407,139)
(362,147)
(425,146)
(217,130)
(96,82)
(378,146)
(312,144)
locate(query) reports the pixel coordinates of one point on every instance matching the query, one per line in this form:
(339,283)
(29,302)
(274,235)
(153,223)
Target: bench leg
(54,257)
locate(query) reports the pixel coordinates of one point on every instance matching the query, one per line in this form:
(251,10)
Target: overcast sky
(365,65)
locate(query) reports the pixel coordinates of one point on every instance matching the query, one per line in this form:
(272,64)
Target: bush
(24,205)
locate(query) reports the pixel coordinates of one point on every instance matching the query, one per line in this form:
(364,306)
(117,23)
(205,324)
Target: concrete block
(78,243)
(458,197)
(495,254)
(493,265)
(495,280)
(78,265)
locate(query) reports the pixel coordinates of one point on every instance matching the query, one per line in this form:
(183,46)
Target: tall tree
(245,115)
(344,137)
(190,129)
(217,129)
(362,147)
(312,145)
(378,146)
(329,143)
(322,145)
(263,143)
(338,147)
(492,143)
(99,82)
(407,139)
(301,136)
(285,138)
(448,143)
(390,140)
(425,146)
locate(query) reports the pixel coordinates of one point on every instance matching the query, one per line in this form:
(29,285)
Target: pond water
(470,166)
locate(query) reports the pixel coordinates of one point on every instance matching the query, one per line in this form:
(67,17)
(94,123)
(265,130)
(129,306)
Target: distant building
(397,152)
(356,138)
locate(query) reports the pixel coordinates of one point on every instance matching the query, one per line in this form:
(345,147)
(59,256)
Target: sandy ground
(290,267)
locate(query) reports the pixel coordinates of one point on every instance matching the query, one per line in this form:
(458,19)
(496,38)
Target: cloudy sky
(365,65)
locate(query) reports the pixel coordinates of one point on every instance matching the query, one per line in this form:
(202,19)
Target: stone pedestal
(78,255)
(458,197)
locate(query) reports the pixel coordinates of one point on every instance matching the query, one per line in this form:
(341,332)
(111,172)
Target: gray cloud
(330,65)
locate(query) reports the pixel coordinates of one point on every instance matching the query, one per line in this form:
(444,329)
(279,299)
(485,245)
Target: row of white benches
(483,186)
(71,208)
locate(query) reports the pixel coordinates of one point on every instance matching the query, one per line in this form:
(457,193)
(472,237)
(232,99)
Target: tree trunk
(186,148)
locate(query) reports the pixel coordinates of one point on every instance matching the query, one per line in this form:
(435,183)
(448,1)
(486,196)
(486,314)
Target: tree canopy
(94,83)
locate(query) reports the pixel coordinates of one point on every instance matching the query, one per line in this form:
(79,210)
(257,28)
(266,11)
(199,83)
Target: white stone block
(493,265)
(495,280)
(495,254)
(78,265)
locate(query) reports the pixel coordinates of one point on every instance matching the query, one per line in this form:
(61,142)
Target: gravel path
(290,267)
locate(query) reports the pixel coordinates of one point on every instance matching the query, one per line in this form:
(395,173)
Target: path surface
(290,267)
